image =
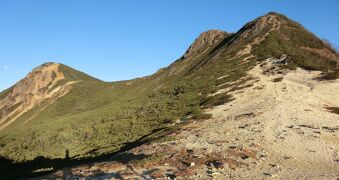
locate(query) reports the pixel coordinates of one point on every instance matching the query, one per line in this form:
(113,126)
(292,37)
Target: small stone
(273,165)
(290,127)
(267,174)
(215,173)
(94,168)
(192,164)
(286,157)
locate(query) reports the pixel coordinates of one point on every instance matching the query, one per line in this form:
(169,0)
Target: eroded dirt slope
(38,86)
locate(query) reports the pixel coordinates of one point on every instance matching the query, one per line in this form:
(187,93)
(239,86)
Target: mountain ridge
(101,117)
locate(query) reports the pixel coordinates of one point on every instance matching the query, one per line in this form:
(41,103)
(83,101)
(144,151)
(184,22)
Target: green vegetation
(98,118)
(216,100)
(329,75)
(202,116)
(150,159)
(295,41)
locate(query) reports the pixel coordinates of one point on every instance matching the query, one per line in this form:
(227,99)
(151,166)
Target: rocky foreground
(282,124)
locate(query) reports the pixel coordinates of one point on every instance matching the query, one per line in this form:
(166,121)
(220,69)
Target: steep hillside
(281,120)
(44,85)
(56,109)
(303,48)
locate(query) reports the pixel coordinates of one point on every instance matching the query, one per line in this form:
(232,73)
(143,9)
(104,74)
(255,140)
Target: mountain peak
(42,76)
(56,107)
(206,38)
(41,84)
(272,13)
(45,83)
(261,26)
(269,19)
(210,35)
(272,19)
(47,64)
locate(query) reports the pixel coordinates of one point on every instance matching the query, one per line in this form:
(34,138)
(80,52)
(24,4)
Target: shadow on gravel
(42,166)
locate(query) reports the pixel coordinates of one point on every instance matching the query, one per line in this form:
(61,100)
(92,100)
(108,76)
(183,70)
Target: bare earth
(298,136)
(272,130)
(30,92)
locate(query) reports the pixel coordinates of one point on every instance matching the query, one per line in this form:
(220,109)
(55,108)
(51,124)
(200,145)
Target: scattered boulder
(282,60)
(215,164)
(273,66)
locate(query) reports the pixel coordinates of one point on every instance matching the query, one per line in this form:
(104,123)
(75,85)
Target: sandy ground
(272,130)
(288,119)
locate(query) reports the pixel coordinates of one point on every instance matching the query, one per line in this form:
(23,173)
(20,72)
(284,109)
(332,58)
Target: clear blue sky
(115,40)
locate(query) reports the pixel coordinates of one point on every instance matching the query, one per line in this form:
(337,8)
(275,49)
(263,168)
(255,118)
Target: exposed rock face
(206,38)
(38,86)
(269,22)
(202,45)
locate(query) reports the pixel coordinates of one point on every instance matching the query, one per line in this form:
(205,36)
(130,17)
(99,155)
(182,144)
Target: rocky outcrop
(194,55)
(39,85)
(205,39)
(274,66)
(282,60)
(263,24)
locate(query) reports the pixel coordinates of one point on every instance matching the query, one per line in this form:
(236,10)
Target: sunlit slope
(94,117)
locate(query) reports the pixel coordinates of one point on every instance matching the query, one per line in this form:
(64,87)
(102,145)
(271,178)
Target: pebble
(215,173)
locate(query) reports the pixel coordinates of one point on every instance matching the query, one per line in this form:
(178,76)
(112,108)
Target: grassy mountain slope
(97,117)
(304,48)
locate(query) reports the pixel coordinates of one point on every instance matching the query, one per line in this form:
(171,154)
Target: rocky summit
(258,103)
(204,40)
(36,87)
